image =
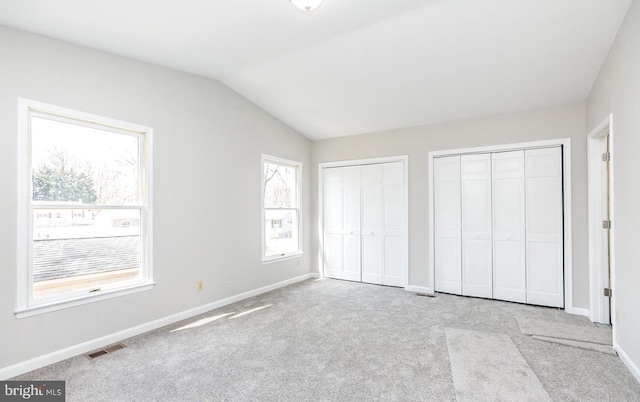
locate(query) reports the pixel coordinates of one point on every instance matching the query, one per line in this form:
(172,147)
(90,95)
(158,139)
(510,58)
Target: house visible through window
(87,205)
(281,208)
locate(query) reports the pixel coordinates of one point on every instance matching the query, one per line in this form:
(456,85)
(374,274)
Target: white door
(447,216)
(372,258)
(383,220)
(544,233)
(332,213)
(341,204)
(477,258)
(393,222)
(351,224)
(508,227)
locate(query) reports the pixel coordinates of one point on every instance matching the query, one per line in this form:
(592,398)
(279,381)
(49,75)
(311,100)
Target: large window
(84,213)
(281,208)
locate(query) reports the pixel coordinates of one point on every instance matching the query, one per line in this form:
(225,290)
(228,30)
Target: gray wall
(617,91)
(207,146)
(559,122)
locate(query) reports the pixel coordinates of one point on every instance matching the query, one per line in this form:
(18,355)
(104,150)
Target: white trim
(25,303)
(627,360)
(358,162)
(285,258)
(597,301)
(578,311)
(369,161)
(503,147)
(298,166)
(420,289)
(75,350)
(84,299)
(566,188)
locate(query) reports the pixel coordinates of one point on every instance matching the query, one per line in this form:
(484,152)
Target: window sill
(24,312)
(271,260)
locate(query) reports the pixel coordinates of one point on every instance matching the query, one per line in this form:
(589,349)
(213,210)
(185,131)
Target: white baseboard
(578,311)
(419,289)
(627,361)
(75,350)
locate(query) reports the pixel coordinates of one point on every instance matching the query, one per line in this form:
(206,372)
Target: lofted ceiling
(354,66)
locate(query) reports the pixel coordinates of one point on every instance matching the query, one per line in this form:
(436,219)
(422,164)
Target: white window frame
(298,165)
(26,305)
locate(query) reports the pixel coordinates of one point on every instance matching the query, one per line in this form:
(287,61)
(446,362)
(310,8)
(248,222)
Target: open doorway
(601,223)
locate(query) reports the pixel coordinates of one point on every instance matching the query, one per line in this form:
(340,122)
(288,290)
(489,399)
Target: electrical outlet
(298,262)
(200,286)
(617,317)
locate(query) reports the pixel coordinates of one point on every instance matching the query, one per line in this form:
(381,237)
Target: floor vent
(101,352)
(425,295)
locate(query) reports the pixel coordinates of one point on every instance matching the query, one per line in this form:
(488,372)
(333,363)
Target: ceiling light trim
(306,5)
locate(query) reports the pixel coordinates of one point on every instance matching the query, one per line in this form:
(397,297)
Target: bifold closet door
(341,205)
(447,217)
(477,262)
(544,233)
(372,253)
(508,226)
(383,224)
(393,221)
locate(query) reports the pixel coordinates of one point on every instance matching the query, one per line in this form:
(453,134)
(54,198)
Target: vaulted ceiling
(354,66)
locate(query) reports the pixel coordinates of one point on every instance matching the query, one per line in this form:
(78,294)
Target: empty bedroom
(319,200)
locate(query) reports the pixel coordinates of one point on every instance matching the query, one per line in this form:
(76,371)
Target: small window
(281,208)
(85,180)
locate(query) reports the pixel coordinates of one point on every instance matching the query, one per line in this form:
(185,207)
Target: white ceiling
(354,66)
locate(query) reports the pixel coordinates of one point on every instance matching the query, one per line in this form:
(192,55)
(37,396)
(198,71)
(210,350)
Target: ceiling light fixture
(306,5)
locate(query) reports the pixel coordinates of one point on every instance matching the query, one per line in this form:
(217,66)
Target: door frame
(597,276)
(566,190)
(356,162)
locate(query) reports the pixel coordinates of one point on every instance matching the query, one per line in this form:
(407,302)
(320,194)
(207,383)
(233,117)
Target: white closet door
(477,272)
(447,216)
(341,210)
(508,226)
(372,257)
(393,221)
(383,224)
(543,173)
(332,212)
(351,223)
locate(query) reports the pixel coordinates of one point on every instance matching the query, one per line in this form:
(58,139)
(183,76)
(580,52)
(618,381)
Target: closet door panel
(351,177)
(352,260)
(372,262)
(341,212)
(447,231)
(393,261)
(332,217)
(476,226)
(351,209)
(393,223)
(508,226)
(372,259)
(545,254)
(333,255)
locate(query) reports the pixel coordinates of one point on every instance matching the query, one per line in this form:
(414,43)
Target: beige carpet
(589,337)
(577,344)
(332,340)
(489,367)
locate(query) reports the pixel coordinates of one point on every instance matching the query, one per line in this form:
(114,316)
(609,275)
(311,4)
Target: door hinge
(608,292)
(606,224)
(606,157)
